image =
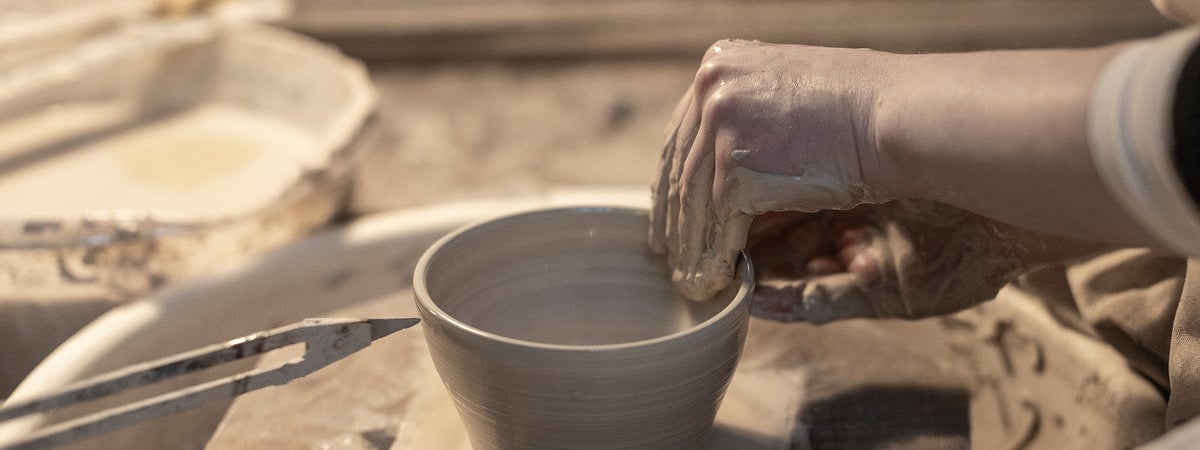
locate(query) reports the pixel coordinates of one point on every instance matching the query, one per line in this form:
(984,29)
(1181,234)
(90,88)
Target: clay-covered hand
(763,128)
(903,259)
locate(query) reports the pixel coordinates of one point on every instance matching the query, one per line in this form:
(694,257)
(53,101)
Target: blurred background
(504,96)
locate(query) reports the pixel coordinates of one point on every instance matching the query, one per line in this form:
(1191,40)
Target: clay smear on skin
(208,161)
(754,193)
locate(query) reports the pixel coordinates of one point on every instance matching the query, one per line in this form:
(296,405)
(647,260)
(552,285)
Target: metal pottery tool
(325,341)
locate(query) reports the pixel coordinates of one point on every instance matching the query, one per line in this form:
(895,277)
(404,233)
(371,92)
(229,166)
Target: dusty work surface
(388,396)
(1004,375)
(986,378)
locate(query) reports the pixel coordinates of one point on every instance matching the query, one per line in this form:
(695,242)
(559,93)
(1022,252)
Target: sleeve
(1186,125)
(1182,11)
(1142,133)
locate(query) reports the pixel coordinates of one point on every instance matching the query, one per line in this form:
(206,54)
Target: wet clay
(758,192)
(929,259)
(751,193)
(560,329)
(582,282)
(211,160)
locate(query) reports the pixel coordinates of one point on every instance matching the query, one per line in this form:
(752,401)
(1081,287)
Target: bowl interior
(578,276)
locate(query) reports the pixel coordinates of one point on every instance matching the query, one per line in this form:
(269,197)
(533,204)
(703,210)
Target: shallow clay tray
(200,142)
(156,151)
(1003,376)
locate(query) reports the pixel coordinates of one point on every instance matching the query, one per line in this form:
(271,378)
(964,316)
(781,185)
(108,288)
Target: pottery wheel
(1008,374)
(979,377)
(389,395)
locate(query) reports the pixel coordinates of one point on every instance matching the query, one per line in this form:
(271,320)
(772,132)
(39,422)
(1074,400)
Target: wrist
(879,158)
(1002,134)
(890,167)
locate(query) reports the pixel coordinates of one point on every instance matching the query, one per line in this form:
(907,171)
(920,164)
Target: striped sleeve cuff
(1130,123)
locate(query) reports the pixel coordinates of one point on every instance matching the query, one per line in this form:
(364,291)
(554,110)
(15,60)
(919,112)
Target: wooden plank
(533,28)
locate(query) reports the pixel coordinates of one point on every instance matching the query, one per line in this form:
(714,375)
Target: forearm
(1003,134)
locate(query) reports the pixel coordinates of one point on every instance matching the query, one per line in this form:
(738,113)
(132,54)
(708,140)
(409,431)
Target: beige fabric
(1129,297)
(1184,364)
(1146,305)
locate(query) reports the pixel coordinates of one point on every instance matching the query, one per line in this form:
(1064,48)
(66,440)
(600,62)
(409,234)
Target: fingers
(661,186)
(659,190)
(693,257)
(840,282)
(717,264)
(689,126)
(857,254)
(901,268)
(814,300)
(701,239)
(804,249)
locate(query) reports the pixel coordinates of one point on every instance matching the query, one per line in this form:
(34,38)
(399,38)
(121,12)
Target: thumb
(815,300)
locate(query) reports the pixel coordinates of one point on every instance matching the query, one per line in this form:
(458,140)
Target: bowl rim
(426,305)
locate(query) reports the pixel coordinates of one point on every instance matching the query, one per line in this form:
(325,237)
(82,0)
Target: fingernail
(865,267)
(847,254)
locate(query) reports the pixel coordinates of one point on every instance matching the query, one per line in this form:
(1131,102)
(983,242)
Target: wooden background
(504,97)
(385,30)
